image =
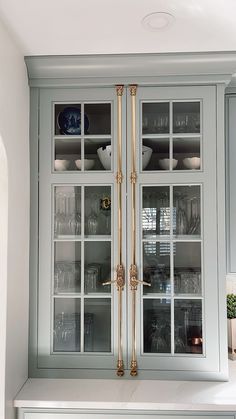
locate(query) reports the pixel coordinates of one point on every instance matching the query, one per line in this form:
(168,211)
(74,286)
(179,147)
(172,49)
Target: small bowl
(104,154)
(192,163)
(60,165)
(165,163)
(88,164)
(146,155)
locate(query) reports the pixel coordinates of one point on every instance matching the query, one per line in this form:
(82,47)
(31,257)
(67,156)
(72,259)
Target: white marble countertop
(129,395)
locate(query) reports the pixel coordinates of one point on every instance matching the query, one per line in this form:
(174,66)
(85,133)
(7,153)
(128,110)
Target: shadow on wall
(3,268)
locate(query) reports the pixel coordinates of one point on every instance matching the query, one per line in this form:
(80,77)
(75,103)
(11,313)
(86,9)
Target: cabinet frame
(33,365)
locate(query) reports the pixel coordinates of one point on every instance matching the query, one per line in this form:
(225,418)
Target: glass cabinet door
(176,239)
(77,305)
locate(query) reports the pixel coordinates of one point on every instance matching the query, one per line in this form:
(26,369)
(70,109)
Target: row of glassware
(67,218)
(67,277)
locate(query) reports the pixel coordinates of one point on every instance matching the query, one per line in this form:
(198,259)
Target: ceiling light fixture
(157,21)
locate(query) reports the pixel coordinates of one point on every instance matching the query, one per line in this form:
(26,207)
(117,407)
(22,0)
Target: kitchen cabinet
(128,277)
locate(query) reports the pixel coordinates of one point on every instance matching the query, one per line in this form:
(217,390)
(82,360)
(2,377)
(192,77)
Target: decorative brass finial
(133,369)
(120,368)
(119,89)
(133,89)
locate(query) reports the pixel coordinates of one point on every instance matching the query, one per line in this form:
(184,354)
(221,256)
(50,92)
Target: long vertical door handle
(120,272)
(133,267)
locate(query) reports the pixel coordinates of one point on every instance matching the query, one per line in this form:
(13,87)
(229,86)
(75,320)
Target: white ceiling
(68,27)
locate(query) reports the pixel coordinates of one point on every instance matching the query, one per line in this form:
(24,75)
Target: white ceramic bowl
(88,164)
(104,154)
(146,155)
(165,163)
(192,162)
(60,164)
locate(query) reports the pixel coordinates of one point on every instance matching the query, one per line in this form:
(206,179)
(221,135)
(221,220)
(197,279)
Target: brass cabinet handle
(134,281)
(133,267)
(120,272)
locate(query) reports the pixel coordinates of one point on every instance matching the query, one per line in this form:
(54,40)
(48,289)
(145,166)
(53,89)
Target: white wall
(14,125)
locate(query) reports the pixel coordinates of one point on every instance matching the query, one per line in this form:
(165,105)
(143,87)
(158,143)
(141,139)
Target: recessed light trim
(157,21)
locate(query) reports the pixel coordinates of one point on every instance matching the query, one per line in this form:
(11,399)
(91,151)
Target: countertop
(129,395)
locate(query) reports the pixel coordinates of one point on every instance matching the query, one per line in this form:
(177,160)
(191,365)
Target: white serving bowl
(88,164)
(192,162)
(104,154)
(165,163)
(60,164)
(146,155)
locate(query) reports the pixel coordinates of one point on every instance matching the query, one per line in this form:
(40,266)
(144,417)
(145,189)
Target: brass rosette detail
(120,276)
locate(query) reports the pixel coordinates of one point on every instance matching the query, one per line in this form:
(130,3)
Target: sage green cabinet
(74,330)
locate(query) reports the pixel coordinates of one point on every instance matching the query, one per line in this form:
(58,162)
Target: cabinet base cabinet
(72,414)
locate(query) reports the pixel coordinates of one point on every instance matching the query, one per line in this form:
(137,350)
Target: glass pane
(187,268)
(188,326)
(97,210)
(99,118)
(187,210)
(155,154)
(156,267)
(67,267)
(67,154)
(97,325)
(67,119)
(155,118)
(98,154)
(67,211)
(97,269)
(156,211)
(187,153)
(156,325)
(186,117)
(66,332)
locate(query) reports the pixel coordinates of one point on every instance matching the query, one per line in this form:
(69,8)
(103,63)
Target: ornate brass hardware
(133,269)
(133,177)
(120,368)
(133,89)
(120,278)
(119,89)
(134,281)
(119,177)
(133,369)
(120,272)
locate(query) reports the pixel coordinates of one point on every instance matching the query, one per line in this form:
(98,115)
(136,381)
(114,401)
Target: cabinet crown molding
(198,68)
